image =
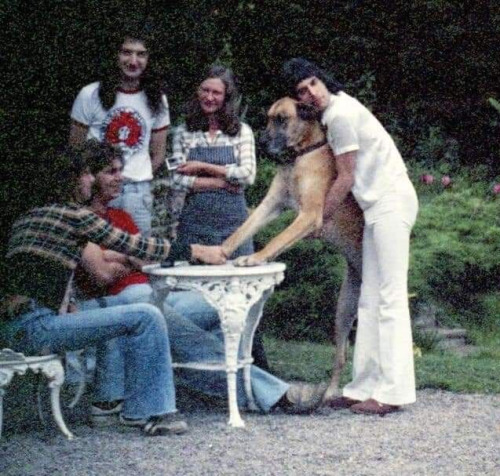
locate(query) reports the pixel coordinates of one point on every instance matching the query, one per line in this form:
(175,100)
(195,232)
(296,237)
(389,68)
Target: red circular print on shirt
(125,128)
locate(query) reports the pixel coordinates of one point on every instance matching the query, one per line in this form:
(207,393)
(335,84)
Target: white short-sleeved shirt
(128,124)
(353,128)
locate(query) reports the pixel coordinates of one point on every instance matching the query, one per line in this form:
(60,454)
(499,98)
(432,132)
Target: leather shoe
(341,403)
(372,407)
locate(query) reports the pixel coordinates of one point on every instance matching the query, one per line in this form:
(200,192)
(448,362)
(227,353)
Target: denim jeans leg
(108,358)
(190,343)
(194,307)
(136,198)
(149,387)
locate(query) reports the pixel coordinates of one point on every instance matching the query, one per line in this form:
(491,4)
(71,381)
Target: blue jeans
(191,341)
(148,387)
(136,199)
(191,305)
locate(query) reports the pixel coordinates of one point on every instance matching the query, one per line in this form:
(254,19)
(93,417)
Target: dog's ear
(308,112)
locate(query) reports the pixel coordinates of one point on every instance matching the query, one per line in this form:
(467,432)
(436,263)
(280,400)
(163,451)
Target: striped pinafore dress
(209,217)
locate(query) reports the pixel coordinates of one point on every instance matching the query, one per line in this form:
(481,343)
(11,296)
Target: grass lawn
(475,373)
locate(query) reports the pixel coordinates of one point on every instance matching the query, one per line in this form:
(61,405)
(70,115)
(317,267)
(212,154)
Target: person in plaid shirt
(46,245)
(112,283)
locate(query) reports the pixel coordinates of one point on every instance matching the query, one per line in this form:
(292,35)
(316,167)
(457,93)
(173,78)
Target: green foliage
(302,361)
(476,373)
(425,340)
(473,374)
(265,173)
(494,103)
(415,64)
(455,258)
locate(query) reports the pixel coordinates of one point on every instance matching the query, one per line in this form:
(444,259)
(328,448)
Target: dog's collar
(310,148)
(289,155)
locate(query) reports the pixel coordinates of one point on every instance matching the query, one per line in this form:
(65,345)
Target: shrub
(303,307)
(455,258)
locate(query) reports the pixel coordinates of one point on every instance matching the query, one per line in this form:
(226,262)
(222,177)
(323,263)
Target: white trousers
(383,354)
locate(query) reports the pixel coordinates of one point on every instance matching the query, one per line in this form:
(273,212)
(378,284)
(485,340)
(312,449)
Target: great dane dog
(296,139)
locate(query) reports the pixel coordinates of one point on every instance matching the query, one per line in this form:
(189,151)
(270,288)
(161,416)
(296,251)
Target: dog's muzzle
(276,148)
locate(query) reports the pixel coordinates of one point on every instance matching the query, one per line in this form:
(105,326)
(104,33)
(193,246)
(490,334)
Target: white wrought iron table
(238,294)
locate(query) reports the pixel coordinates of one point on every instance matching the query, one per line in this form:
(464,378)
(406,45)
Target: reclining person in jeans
(45,247)
(120,280)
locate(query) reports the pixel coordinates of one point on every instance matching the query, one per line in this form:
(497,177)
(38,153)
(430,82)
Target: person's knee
(148,314)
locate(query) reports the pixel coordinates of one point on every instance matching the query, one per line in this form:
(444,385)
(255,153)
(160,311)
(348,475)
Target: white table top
(184,269)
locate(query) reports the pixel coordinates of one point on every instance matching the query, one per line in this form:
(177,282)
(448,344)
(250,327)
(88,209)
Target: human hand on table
(208,254)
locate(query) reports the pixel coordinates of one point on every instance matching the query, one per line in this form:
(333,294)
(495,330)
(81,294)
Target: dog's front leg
(303,225)
(310,195)
(269,209)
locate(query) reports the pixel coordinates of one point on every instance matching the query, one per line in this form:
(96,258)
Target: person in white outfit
(370,165)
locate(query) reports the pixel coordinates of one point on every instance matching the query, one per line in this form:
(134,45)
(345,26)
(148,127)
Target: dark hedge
(419,64)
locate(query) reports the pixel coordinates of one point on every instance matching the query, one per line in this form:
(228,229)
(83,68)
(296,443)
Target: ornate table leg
(233,298)
(5,378)
(233,308)
(54,372)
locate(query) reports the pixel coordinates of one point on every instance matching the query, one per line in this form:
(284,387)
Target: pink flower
(427,179)
(446,180)
(496,189)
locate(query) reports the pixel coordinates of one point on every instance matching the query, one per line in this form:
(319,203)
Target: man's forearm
(335,196)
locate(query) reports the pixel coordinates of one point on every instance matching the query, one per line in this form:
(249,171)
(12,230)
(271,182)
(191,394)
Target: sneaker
(168,424)
(105,413)
(132,421)
(303,398)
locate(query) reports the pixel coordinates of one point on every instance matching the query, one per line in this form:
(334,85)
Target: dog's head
(289,123)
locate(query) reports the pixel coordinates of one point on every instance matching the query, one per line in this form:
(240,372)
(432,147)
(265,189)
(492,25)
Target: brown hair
(227,116)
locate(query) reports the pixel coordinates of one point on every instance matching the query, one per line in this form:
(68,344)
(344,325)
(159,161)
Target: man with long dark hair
(45,247)
(128,108)
(114,281)
(369,164)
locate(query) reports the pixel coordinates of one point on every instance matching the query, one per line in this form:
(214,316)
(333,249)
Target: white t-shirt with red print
(128,124)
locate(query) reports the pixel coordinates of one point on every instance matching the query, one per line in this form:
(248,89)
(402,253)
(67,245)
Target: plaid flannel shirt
(241,173)
(60,232)
(46,245)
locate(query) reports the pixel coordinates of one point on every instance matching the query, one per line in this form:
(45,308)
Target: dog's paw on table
(249,260)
